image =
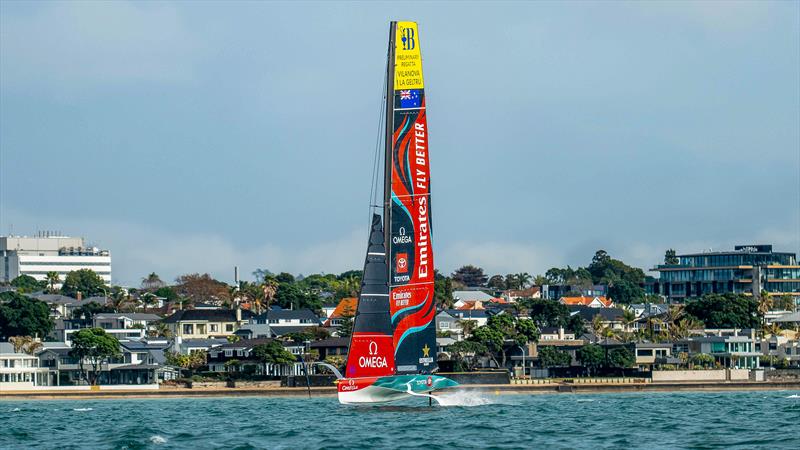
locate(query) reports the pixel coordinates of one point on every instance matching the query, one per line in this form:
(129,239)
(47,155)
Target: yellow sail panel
(408,58)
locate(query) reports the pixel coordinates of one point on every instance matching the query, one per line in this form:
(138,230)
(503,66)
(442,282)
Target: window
(644,352)
(228,352)
(444,325)
(239,352)
(229,327)
(214,328)
(188,328)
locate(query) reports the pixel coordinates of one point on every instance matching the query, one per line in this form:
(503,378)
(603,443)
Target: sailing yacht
(393,346)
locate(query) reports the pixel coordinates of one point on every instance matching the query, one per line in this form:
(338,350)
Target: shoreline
(496,389)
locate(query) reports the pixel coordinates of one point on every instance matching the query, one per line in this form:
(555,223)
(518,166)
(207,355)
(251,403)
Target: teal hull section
(416,383)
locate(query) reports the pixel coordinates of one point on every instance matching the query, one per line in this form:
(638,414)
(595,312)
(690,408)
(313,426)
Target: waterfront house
(336,346)
(19,370)
(649,354)
(280,318)
(138,363)
(240,357)
(735,352)
(207,323)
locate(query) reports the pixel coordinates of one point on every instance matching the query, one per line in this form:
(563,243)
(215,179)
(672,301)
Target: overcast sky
(192,137)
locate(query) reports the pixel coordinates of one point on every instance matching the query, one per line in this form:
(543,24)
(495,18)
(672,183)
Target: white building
(19,370)
(35,256)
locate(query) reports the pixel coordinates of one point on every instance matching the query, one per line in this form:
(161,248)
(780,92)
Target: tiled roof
(346,303)
(530,292)
(585,301)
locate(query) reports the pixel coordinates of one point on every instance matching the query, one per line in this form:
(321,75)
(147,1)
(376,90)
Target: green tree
(725,310)
(53,279)
(167,293)
(292,296)
(550,356)
(670,258)
(85,281)
(502,332)
(152,282)
(89,310)
(93,346)
(23,316)
(496,282)
(591,357)
(273,352)
(621,358)
(27,284)
(624,282)
(470,276)
(191,362)
(702,360)
(346,327)
(465,354)
(443,290)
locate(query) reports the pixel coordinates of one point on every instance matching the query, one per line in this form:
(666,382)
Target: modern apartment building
(748,269)
(46,252)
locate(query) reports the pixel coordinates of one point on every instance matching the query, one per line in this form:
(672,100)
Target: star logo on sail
(426,351)
(410,98)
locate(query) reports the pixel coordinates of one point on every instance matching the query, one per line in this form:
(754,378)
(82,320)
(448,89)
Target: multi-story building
(748,269)
(46,252)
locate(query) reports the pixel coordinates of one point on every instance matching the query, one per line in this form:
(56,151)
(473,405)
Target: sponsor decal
(408,39)
(408,59)
(349,386)
(402,237)
(429,381)
(374,359)
(402,263)
(408,368)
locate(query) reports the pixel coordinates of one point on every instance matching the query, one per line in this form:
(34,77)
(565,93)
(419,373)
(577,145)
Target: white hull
(371,394)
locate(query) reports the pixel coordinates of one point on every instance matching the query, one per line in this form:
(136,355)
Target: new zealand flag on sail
(410,98)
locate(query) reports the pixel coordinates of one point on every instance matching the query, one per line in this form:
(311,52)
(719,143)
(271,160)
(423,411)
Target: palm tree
(772,329)
(152,282)
(52,279)
(27,344)
(467,326)
(162,329)
(628,317)
(268,288)
(765,304)
(148,299)
(523,279)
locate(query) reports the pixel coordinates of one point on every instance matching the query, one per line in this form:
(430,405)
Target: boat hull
(390,388)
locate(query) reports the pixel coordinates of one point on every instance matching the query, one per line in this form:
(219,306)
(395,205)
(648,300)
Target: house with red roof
(591,302)
(347,306)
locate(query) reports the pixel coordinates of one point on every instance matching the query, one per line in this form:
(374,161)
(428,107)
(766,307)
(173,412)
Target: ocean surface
(703,420)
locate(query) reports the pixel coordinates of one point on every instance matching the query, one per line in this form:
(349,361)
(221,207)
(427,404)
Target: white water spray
(455,398)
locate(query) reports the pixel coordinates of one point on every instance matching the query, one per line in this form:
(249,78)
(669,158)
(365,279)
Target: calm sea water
(654,420)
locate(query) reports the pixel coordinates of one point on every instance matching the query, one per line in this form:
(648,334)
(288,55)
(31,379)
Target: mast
(388,146)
